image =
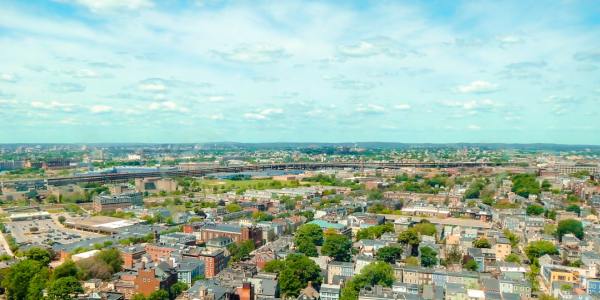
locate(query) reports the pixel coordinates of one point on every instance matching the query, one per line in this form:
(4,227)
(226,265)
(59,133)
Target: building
(178,238)
(214,259)
(336,227)
(155,185)
(330,292)
(149,280)
(159,252)
(339,268)
(237,233)
(188,269)
(131,254)
(112,203)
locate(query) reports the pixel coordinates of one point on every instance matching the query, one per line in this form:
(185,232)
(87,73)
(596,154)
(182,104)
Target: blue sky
(274,71)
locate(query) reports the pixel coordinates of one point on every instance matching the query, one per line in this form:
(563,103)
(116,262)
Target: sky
(83,71)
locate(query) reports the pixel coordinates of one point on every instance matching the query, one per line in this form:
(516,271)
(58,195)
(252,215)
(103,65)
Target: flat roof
(445,221)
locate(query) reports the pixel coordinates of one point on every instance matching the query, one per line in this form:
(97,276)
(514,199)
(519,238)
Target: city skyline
(209,71)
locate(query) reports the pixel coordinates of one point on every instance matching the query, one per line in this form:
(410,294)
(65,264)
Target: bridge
(121,177)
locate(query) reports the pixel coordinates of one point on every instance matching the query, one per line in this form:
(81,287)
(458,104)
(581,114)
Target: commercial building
(112,203)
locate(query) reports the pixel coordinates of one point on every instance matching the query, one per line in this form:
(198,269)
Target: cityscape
(299,150)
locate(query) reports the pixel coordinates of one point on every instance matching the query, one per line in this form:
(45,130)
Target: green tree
(309,232)
(374,232)
(112,258)
(471,265)
(19,278)
(62,219)
(454,255)
(534,210)
(159,295)
(482,243)
(233,207)
(39,254)
(389,254)
(240,251)
(37,284)
(574,208)
(65,288)
(513,238)
(294,273)
(412,261)
(66,269)
(539,248)
(428,257)
(513,258)
(308,248)
(178,288)
(376,273)
(425,228)
(338,247)
(138,297)
(410,238)
(525,185)
(569,226)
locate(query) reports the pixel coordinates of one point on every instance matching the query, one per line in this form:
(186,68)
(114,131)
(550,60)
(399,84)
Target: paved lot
(48,232)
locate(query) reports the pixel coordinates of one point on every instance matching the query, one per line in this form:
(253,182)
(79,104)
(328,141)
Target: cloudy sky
(251,71)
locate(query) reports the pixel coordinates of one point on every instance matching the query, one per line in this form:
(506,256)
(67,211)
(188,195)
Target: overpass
(121,177)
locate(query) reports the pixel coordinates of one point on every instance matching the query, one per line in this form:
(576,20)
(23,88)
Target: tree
(454,256)
(513,258)
(159,295)
(550,214)
(534,210)
(389,254)
(539,248)
(66,269)
(412,261)
(471,265)
(376,273)
(374,232)
(294,273)
(425,228)
(138,297)
(39,254)
(513,238)
(569,226)
(308,248)
(410,238)
(112,258)
(178,288)
(19,277)
(337,247)
(525,184)
(64,288)
(309,232)
(482,243)
(62,219)
(546,185)
(233,207)
(428,257)
(240,251)
(574,208)
(94,268)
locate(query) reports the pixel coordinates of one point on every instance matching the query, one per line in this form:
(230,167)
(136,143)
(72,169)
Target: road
(5,245)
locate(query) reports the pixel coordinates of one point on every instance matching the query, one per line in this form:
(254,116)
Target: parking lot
(44,232)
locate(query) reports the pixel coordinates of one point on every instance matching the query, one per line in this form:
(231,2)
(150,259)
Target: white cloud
(370,108)
(53,105)
(402,106)
(477,87)
(98,109)
(107,5)
(371,47)
(253,54)
(168,106)
(472,105)
(217,116)
(8,77)
(473,127)
(263,114)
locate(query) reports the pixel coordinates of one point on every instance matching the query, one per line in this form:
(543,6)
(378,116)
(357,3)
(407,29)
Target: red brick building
(214,260)
(237,233)
(157,251)
(149,280)
(131,254)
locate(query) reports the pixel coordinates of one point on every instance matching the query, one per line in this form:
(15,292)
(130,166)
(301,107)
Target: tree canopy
(309,232)
(294,273)
(376,273)
(428,257)
(540,248)
(338,247)
(569,226)
(482,243)
(525,185)
(389,254)
(534,210)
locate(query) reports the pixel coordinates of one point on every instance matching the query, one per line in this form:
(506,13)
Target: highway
(120,177)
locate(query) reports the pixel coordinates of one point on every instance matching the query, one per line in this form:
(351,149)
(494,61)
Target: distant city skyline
(91,71)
